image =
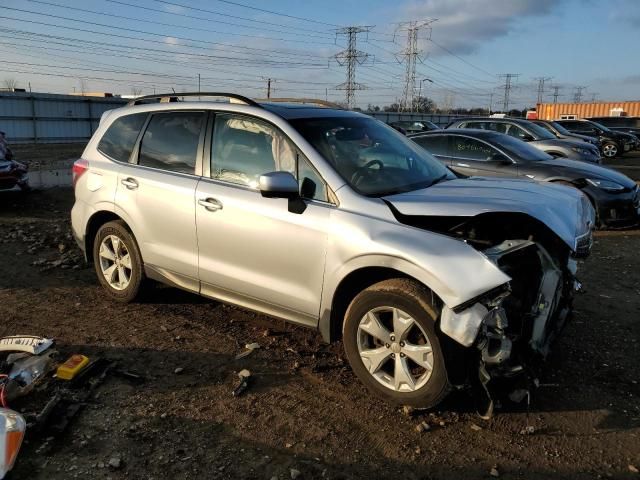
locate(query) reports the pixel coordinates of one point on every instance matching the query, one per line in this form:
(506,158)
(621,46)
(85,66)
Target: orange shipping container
(553,111)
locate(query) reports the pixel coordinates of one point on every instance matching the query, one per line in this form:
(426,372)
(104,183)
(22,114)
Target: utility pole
(541,81)
(507,89)
(268,80)
(410,56)
(351,57)
(577,96)
(556,88)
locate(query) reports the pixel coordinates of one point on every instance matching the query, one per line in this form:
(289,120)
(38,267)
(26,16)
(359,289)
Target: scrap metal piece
(25,343)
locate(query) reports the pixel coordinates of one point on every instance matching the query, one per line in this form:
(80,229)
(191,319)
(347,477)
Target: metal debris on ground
(244,376)
(249,347)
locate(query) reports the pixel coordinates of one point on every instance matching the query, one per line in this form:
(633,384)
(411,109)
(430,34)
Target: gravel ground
(304,412)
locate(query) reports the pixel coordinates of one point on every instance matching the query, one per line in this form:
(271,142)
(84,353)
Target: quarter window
(120,138)
(471,149)
(171,141)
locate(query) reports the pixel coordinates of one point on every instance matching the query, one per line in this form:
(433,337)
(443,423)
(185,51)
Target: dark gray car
(562,133)
(468,152)
(535,135)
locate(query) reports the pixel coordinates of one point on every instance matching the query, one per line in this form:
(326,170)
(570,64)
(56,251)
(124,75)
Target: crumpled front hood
(561,208)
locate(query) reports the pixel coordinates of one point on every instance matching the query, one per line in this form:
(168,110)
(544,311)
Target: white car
(331,219)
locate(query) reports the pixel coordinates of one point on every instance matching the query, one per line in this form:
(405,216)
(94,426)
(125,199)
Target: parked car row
(614,143)
(474,152)
(328,218)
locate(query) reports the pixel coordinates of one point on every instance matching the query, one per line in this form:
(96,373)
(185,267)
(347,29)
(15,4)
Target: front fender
(451,268)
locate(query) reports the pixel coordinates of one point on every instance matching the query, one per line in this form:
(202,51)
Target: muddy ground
(305,411)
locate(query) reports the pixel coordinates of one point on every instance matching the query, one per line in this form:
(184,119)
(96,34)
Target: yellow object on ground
(72,366)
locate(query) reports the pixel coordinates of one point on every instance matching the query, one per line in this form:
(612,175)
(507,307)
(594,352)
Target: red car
(13,174)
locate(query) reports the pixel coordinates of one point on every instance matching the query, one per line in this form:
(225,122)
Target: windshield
(561,130)
(520,149)
(374,159)
(540,132)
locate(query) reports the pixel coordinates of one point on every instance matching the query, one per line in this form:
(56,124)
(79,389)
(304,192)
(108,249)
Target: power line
(351,57)
(507,88)
(461,59)
(541,81)
(238,4)
(410,55)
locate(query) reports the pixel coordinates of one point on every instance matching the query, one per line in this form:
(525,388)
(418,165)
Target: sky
(146,46)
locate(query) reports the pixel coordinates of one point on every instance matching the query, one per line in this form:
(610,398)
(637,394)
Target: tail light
(79,168)
(12,427)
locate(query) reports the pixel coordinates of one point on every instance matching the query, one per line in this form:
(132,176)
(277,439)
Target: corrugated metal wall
(50,118)
(553,111)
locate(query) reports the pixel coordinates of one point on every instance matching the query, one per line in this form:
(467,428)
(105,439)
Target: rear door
(156,194)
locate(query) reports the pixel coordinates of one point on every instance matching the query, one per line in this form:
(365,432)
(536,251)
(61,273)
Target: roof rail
(174,97)
(311,101)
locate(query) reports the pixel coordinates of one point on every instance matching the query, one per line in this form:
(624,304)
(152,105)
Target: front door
(473,157)
(254,251)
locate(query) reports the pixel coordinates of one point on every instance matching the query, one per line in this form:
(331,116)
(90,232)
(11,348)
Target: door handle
(130,183)
(210,204)
(462,165)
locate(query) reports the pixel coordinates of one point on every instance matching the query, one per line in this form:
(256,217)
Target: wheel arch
(94,223)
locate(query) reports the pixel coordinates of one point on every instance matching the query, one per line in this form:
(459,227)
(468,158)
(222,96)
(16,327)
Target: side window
(171,141)
(471,149)
(497,127)
(434,144)
(516,132)
(120,138)
(244,148)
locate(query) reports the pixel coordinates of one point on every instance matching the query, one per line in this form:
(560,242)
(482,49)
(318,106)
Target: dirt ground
(304,410)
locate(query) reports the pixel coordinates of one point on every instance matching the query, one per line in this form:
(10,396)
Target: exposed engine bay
(513,325)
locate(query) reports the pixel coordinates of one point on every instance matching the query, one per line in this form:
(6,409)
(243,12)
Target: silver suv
(331,219)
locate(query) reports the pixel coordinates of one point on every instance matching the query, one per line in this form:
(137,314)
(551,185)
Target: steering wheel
(365,170)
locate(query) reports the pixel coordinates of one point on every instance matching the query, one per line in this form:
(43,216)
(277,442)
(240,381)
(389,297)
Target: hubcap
(395,349)
(610,150)
(115,262)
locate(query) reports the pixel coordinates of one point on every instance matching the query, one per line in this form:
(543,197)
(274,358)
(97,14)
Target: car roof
(290,111)
(473,132)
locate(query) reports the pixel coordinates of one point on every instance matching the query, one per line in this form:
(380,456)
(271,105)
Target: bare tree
(10,83)
(136,91)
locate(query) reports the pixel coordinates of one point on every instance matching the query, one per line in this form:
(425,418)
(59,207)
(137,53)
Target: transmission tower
(577,96)
(556,88)
(507,89)
(541,81)
(594,97)
(410,56)
(351,57)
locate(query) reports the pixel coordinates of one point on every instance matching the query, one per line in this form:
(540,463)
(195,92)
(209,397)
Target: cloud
(464,25)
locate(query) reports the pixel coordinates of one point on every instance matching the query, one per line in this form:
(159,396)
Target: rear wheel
(391,342)
(118,262)
(610,150)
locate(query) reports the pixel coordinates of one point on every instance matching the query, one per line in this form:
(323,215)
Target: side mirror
(278,185)
(527,138)
(499,159)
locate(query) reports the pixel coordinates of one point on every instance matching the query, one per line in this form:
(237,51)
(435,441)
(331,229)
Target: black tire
(416,300)
(611,150)
(137,278)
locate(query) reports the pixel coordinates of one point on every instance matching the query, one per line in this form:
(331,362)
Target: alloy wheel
(395,349)
(115,262)
(610,150)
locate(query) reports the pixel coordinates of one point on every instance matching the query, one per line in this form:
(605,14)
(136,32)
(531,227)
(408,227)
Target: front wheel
(391,343)
(610,150)
(118,262)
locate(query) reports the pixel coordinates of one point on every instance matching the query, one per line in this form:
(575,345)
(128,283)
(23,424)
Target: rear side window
(171,141)
(120,137)
(470,148)
(434,144)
